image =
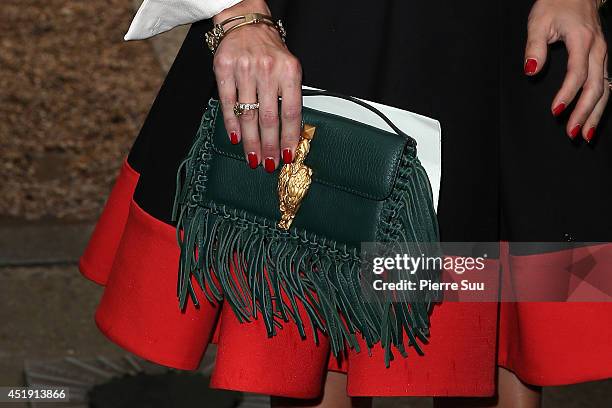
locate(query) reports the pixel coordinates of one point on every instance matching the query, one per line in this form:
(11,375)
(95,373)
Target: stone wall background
(73,96)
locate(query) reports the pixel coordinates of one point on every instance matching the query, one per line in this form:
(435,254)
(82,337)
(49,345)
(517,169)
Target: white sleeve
(156,16)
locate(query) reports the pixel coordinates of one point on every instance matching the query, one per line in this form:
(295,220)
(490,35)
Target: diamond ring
(240,108)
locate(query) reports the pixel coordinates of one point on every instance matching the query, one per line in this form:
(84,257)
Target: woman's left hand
(577,24)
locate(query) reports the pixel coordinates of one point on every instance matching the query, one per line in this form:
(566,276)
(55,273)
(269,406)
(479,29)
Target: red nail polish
(287,156)
(269,164)
(590,134)
(253,161)
(558,109)
(234,137)
(575,130)
(531,65)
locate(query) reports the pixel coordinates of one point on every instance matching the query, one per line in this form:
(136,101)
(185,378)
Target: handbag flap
(346,155)
(354,170)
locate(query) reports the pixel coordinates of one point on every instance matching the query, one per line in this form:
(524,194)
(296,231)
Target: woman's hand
(252,64)
(576,23)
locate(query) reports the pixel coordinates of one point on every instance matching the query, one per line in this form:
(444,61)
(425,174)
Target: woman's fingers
(267,90)
(578,45)
(592,89)
(224,73)
(590,126)
(577,24)
(591,123)
(536,49)
(253,65)
(247,93)
(291,109)
(261,129)
(289,71)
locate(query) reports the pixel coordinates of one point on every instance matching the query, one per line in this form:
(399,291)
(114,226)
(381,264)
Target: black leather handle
(314,92)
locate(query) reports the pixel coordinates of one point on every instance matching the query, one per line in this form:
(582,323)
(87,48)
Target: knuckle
(586,35)
(601,47)
(293,67)
(250,141)
(268,118)
(266,63)
(533,43)
(227,103)
(593,93)
(223,63)
(580,73)
(243,63)
(290,140)
(291,113)
(269,146)
(597,90)
(231,124)
(248,116)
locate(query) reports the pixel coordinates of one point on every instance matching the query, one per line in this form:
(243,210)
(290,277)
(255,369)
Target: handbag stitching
(384,197)
(310,238)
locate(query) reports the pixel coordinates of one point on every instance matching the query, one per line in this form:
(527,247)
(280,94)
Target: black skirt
(509,173)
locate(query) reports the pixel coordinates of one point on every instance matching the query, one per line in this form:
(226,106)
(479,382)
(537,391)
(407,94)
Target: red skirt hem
(135,256)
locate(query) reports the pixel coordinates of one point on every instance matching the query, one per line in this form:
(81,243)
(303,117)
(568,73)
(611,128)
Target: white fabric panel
(156,16)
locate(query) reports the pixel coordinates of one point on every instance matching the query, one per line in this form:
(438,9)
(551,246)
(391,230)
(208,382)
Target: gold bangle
(218,33)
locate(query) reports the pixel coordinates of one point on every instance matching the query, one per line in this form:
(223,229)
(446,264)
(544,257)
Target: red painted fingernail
(287,156)
(575,130)
(590,134)
(234,137)
(558,109)
(269,164)
(253,161)
(531,65)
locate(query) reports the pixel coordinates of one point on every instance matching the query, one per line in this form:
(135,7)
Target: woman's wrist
(244,7)
(246,15)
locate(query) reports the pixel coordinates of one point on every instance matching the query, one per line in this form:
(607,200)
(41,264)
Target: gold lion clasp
(295,179)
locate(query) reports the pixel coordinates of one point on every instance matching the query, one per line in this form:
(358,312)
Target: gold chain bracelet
(216,35)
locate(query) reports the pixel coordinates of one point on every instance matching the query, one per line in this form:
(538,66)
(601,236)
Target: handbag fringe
(283,276)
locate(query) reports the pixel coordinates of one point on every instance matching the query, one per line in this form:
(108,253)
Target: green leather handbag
(285,247)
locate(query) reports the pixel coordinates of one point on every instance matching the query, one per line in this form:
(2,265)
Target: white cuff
(156,16)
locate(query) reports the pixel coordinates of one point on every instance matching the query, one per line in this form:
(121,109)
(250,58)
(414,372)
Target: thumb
(536,50)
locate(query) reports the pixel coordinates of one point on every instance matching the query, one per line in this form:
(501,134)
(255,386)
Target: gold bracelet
(218,33)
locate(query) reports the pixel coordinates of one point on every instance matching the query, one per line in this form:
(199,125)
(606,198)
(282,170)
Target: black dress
(509,173)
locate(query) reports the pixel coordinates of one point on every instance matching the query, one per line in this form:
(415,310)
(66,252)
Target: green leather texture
(354,167)
(368,186)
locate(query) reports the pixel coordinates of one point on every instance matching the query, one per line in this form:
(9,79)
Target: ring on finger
(240,108)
